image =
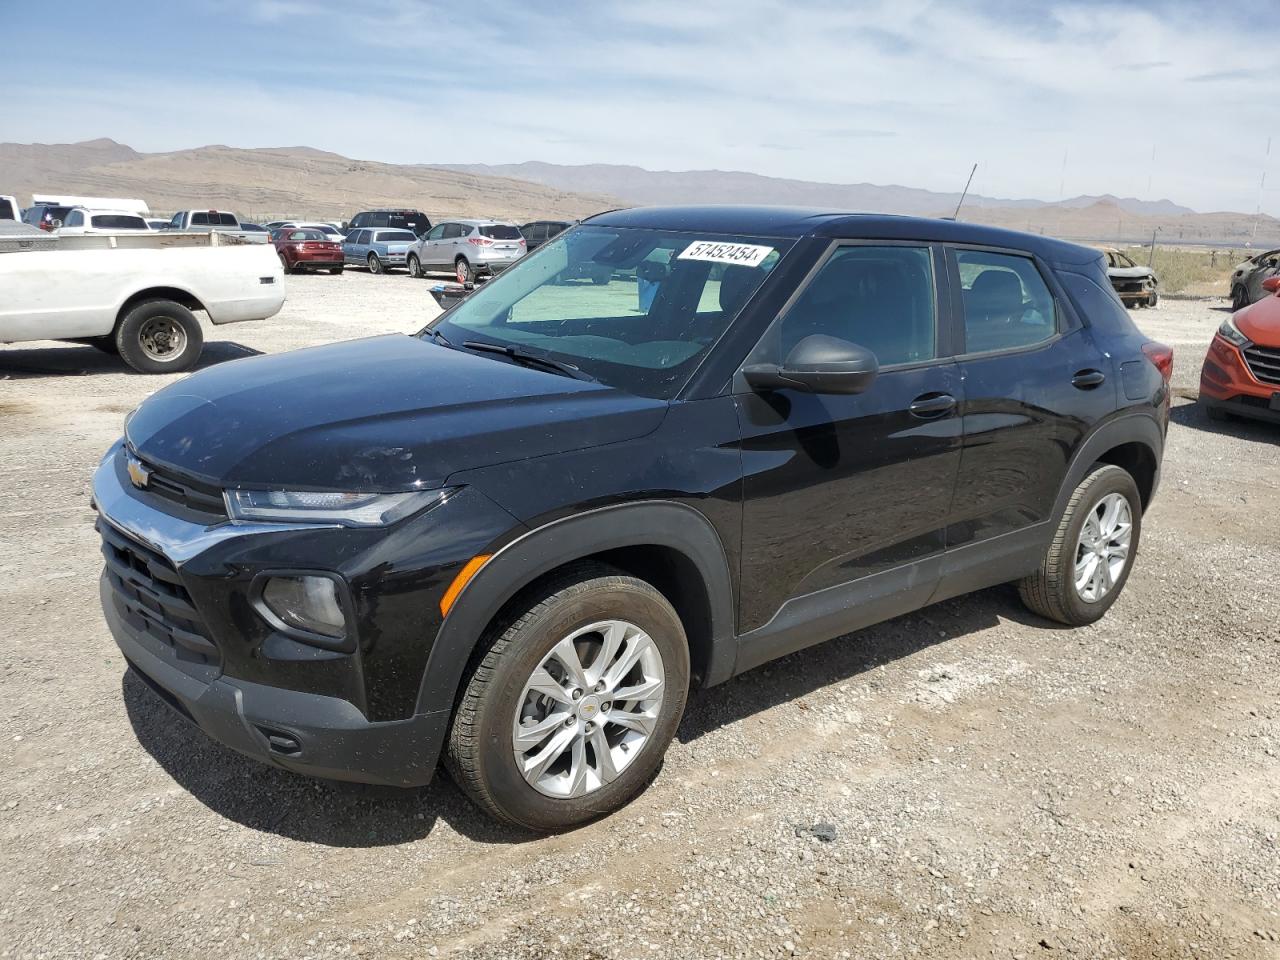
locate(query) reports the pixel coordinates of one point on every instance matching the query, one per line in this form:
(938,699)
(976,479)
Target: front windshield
(635,309)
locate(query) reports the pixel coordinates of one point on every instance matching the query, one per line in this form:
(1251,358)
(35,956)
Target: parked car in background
(1247,278)
(1133,283)
(80,222)
(215,221)
(379,250)
(538,232)
(45,216)
(302,249)
(9,209)
(254,228)
(412,220)
(467,248)
(520,537)
(1241,371)
(157,224)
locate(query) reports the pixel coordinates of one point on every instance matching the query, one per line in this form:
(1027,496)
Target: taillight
(480,241)
(1161,356)
(522,241)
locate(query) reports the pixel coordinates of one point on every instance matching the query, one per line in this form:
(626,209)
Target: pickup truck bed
(134,294)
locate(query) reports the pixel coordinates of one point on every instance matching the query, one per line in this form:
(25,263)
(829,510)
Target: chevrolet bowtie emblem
(139,475)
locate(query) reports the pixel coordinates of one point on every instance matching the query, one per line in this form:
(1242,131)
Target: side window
(1006,302)
(436,232)
(200,219)
(452,231)
(881,298)
(75,219)
(364,236)
(175,222)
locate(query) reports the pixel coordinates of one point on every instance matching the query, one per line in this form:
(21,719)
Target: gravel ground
(967,781)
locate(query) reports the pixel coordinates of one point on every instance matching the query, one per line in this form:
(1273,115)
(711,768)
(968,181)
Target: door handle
(1088,379)
(930,406)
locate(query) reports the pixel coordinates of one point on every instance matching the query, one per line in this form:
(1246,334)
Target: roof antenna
(967,183)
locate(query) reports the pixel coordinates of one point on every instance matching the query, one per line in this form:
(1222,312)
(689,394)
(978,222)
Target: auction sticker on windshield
(738,254)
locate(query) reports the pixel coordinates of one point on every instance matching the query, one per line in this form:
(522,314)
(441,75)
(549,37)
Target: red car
(1241,372)
(304,249)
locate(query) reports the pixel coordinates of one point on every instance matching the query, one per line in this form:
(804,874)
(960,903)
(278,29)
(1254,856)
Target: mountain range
(277,182)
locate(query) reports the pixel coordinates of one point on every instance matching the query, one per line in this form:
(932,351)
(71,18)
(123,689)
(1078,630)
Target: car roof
(797,222)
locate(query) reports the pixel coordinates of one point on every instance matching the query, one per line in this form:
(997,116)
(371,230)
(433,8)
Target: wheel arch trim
(1141,428)
(652,523)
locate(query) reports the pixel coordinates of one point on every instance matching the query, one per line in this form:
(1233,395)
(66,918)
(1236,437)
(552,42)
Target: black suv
(399,219)
(518,538)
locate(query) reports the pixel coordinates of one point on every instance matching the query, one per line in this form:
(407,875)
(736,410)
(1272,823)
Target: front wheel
(463,270)
(569,714)
(1239,298)
(375,265)
(415,268)
(336,271)
(159,336)
(1088,562)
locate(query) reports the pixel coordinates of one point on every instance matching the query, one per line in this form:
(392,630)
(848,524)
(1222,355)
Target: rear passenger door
(1034,384)
(838,489)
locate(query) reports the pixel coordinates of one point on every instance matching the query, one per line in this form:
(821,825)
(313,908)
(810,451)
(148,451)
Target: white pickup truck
(136,294)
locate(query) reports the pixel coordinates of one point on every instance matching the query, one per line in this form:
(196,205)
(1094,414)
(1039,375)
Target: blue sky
(1156,99)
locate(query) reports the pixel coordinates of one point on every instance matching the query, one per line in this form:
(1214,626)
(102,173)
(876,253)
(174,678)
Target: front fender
(519,563)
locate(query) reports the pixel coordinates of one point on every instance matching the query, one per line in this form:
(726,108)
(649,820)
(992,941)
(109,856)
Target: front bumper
(177,596)
(1227,382)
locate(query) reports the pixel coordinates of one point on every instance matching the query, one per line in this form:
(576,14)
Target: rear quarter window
(1097,301)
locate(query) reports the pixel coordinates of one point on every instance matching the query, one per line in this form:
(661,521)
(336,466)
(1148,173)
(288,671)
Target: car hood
(1129,273)
(1261,322)
(386,413)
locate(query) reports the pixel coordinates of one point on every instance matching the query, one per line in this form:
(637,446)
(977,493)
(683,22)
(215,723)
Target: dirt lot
(988,784)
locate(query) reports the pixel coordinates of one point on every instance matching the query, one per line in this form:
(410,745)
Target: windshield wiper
(436,335)
(530,359)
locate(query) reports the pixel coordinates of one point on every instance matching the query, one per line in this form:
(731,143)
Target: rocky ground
(967,781)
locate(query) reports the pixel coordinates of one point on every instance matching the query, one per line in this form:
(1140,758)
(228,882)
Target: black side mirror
(818,364)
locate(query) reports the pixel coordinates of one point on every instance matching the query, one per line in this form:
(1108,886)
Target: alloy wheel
(588,709)
(1102,550)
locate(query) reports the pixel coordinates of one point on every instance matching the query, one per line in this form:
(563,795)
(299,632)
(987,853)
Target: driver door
(847,497)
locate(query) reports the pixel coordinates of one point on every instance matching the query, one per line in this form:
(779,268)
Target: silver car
(379,250)
(467,248)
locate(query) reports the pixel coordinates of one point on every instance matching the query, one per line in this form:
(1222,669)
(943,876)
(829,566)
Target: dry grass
(1190,272)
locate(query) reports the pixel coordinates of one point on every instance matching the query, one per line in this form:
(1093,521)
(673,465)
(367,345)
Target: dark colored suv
(399,219)
(519,537)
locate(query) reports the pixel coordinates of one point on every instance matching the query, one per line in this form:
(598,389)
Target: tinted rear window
(410,220)
(396,236)
(500,231)
(117,221)
(6,211)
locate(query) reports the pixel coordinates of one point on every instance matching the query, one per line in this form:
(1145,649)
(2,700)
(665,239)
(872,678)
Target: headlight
(1231,333)
(348,509)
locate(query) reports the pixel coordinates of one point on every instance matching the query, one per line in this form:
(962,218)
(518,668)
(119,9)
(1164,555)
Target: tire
(159,336)
(415,268)
(284,264)
(375,265)
(1051,591)
(336,271)
(481,754)
(1239,298)
(1153,300)
(463,270)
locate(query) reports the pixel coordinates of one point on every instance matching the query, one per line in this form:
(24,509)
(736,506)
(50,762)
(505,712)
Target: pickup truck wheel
(1088,562)
(567,716)
(415,268)
(159,336)
(375,265)
(463,270)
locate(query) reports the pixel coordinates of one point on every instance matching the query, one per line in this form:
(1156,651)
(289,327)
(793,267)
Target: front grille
(201,498)
(1264,363)
(150,597)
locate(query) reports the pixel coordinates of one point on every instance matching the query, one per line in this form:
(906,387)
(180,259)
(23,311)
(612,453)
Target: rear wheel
(336,271)
(463,270)
(375,265)
(159,336)
(284,264)
(415,267)
(568,715)
(1088,562)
